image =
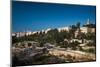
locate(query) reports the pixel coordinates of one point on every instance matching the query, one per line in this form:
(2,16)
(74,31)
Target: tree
(72,30)
(73,45)
(78,25)
(53,35)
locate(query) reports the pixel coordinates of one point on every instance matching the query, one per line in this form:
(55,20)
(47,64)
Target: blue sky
(37,16)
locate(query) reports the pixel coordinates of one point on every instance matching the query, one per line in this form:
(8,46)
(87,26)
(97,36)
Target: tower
(88,21)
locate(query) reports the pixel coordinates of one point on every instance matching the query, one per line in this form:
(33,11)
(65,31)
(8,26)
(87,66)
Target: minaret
(88,21)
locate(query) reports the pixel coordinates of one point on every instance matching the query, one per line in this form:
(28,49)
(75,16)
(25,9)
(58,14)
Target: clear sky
(37,16)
